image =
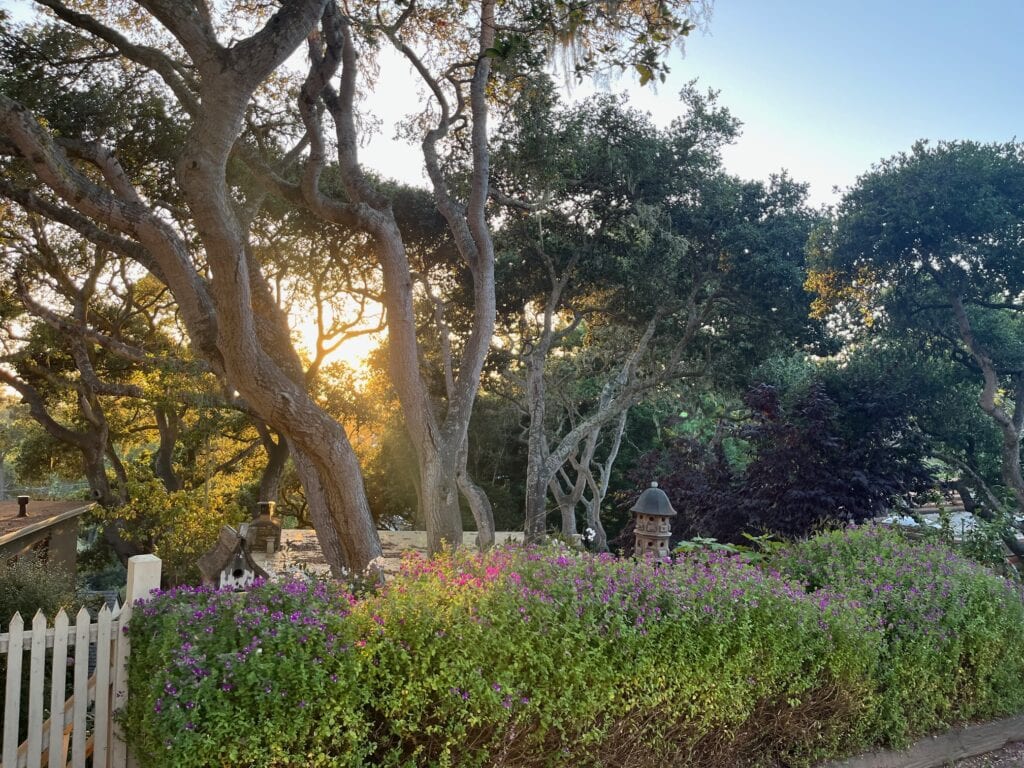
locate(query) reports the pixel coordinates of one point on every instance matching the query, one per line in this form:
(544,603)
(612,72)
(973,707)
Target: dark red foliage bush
(816,463)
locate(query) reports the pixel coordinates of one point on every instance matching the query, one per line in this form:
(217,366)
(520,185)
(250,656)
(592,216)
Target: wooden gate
(89,658)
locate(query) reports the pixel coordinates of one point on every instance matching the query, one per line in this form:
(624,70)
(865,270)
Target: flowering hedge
(953,633)
(526,658)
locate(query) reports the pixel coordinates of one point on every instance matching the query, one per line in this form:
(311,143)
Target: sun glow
(348,340)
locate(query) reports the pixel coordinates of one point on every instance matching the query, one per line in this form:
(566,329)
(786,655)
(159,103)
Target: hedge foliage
(544,658)
(953,633)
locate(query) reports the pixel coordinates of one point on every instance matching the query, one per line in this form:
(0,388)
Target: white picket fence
(82,726)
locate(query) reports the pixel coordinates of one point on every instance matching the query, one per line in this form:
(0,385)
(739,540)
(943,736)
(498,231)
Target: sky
(824,88)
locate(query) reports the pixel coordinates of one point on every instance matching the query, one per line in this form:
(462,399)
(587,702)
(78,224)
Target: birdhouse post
(653,523)
(264,533)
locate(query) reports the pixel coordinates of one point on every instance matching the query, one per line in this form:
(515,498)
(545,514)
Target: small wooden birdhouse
(653,527)
(229,564)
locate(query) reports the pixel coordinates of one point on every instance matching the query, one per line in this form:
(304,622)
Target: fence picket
(82,622)
(116,615)
(37,670)
(101,712)
(12,691)
(118,748)
(58,680)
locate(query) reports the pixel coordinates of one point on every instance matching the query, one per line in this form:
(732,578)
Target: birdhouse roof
(229,545)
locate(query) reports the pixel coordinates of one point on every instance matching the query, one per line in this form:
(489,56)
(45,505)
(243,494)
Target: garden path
(1010,756)
(300,549)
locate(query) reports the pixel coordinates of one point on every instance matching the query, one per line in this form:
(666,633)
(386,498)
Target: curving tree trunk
(539,471)
(167,422)
(618,395)
(1010,424)
(438,433)
(479,504)
(273,470)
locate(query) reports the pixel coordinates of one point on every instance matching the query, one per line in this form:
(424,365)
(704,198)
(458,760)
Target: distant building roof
(41,514)
(950,509)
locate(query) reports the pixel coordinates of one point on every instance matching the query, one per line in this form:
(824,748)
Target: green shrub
(546,658)
(263,678)
(28,585)
(575,660)
(526,659)
(953,632)
(177,526)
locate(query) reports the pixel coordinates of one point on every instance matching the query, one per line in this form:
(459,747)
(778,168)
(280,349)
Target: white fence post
(143,578)
(78,740)
(37,670)
(58,680)
(101,708)
(12,703)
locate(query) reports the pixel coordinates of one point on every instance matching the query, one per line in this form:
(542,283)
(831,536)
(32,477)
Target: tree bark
(538,472)
(479,504)
(567,512)
(437,439)
(318,503)
(323,454)
(545,460)
(1011,426)
(441,511)
(167,422)
(600,485)
(273,470)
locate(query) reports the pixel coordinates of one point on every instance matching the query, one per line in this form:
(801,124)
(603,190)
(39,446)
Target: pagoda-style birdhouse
(264,531)
(653,526)
(229,564)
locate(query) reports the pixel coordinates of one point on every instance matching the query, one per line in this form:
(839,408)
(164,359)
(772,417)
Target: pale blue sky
(825,88)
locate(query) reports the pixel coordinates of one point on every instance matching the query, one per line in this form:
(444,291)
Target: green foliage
(957,204)
(28,585)
(551,657)
(177,526)
(529,658)
(760,548)
(952,632)
(40,458)
(985,544)
(925,249)
(264,678)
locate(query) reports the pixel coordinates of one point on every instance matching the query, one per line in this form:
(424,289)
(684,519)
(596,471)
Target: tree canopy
(578,298)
